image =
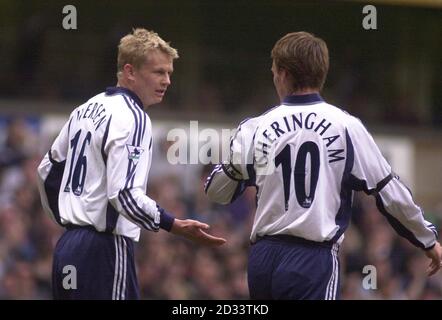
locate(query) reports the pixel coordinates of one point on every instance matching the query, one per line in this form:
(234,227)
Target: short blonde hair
(135,46)
(305,57)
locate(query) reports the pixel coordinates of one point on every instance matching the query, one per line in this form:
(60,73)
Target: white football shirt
(97,168)
(305,158)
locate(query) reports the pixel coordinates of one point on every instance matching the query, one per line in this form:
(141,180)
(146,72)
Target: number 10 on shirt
(300,173)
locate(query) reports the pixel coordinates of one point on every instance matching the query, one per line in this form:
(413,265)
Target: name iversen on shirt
(94,111)
(293,123)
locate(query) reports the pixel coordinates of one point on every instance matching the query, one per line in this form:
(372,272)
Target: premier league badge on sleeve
(134,153)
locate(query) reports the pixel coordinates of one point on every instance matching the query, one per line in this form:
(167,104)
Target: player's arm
(50,173)
(222,186)
(371,173)
(127,154)
(229,179)
(127,160)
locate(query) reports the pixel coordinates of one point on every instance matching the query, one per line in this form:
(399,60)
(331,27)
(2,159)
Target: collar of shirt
(125,91)
(310,98)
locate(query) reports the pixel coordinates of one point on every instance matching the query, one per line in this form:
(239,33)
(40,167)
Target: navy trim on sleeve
(135,212)
(215,170)
(361,185)
(343,215)
(381,184)
(50,158)
(166,219)
(240,188)
(430,247)
(52,186)
(397,225)
(227,168)
(103,144)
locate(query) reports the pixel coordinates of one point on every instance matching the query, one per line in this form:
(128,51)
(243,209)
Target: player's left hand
(194,230)
(435,254)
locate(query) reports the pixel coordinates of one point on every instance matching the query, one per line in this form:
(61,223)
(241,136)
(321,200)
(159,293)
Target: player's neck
(304,91)
(123,84)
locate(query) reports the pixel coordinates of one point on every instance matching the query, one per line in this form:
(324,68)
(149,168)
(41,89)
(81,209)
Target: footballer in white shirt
(93,180)
(306,157)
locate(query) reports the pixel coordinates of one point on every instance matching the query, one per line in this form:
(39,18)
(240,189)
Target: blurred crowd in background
(386,76)
(170,267)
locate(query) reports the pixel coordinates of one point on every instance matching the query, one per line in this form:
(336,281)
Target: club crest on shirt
(134,153)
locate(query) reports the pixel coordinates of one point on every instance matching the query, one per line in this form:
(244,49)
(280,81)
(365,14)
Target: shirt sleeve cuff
(166,219)
(430,247)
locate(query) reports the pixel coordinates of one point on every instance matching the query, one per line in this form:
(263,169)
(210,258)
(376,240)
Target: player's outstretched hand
(435,254)
(194,230)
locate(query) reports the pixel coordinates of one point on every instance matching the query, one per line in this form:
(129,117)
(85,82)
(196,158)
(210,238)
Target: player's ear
(284,73)
(286,76)
(128,71)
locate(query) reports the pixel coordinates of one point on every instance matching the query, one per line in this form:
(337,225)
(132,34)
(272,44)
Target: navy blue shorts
(290,268)
(94,265)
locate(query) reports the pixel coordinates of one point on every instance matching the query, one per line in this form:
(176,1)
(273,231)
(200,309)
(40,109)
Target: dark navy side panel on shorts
(104,265)
(284,270)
